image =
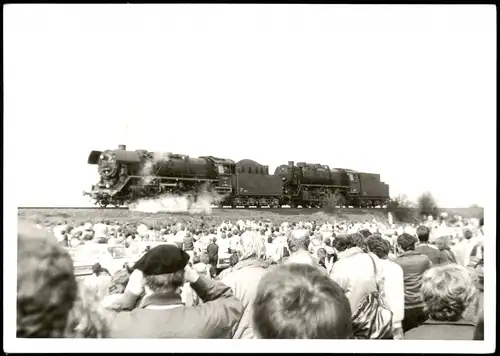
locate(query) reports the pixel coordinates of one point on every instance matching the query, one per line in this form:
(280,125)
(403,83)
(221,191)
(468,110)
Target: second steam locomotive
(127,176)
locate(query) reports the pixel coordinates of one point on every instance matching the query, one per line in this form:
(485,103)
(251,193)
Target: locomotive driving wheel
(103,204)
(117,204)
(191,197)
(341,201)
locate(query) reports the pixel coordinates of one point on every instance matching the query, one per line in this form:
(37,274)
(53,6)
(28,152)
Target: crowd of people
(328,279)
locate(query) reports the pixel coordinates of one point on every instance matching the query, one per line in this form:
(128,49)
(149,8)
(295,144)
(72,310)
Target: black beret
(161,260)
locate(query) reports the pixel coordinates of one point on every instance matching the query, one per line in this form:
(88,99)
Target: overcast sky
(405,91)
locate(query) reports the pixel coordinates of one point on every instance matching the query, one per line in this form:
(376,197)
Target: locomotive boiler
(126,176)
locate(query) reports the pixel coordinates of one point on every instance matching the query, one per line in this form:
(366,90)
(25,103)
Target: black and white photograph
(257,178)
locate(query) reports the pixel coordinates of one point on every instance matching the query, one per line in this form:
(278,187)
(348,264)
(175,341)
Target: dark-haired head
(343,243)
(365,232)
(423,233)
(359,241)
(407,242)
(378,246)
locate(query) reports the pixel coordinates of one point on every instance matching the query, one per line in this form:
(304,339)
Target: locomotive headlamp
(101,156)
(107,186)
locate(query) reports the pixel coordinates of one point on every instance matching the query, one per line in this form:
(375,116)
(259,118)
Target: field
(52,216)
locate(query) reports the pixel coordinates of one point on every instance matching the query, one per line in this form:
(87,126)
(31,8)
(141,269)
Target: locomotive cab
(354,182)
(224,169)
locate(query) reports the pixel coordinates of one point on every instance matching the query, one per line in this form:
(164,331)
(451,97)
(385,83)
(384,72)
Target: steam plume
(177,204)
(148,170)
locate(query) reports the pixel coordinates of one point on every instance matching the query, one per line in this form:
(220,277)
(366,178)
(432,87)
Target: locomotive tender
(126,176)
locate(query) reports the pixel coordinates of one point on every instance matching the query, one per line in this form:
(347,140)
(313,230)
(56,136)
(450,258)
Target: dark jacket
(213,253)
(165,316)
(436,256)
(414,265)
(479,331)
(442,330)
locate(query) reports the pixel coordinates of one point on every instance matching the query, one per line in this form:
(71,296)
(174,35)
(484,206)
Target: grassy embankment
(74,217)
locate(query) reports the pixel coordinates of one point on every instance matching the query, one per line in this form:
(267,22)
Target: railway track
(282,209)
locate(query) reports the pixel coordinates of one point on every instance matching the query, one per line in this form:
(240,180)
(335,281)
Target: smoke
(177,204)
(147,171)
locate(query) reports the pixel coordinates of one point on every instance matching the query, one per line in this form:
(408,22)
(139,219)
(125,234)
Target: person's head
(87,319)
(365,233)
(423,233)
(298,240)
(252,246)
(214,239)
(378,246)
(233,259)
(443,243)
(270,240)
(96,268)
(296,301)
(448,291)
(359,240)
(407,242)
(327,242)
(343,242)
(163,268)
(46,285)
(315,244)
(468,234)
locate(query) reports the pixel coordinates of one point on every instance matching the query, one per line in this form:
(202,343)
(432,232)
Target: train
(128,176)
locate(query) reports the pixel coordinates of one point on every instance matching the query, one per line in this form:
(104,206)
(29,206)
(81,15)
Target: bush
(401,208)
(427,205)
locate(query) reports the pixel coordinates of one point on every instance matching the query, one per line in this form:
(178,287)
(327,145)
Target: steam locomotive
(127,176)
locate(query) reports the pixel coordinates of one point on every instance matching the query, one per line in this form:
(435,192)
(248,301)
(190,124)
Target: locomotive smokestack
(122,147)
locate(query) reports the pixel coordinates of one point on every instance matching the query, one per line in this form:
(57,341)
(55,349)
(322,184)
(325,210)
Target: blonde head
(448,292)
(252,246)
